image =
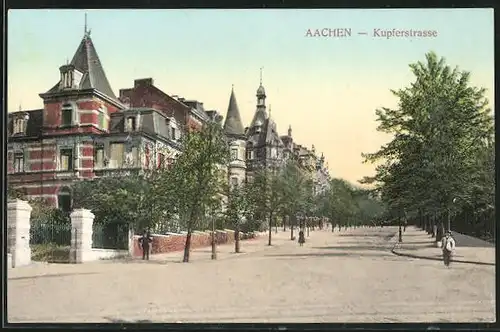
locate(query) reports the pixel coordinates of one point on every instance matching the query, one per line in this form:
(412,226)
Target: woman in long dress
(302,238)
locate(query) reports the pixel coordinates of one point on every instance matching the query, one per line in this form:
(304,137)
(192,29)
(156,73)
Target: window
(146,153)
(64,199)
(67,115)
(101,120)
(274,153)
(19,126)
(130,123)
(66,159)
(134,153)
(249,154)
(99,157)
(19,162)
(234,154)
(173,134)
(161,160)
(117,154)
(234,181)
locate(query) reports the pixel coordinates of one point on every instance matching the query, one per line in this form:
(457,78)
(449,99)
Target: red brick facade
(172,243)
(145,94)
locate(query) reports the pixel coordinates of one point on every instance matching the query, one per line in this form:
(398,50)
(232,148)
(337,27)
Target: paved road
(346,277)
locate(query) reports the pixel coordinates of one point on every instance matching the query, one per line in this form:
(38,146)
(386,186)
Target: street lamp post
(448,226)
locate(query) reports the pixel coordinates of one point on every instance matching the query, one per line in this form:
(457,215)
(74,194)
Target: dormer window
(19,125)
(131,125)
(70,77)
(173,135)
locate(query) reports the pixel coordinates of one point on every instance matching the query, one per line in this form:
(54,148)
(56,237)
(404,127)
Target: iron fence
(51,233)
(110,236)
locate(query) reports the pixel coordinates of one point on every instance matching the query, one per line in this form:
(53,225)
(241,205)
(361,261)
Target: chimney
(143,82)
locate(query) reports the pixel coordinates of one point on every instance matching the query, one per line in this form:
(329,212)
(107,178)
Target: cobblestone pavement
(349,276)
(468,249)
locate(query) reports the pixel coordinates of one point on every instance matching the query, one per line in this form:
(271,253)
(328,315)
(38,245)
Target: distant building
(259,146)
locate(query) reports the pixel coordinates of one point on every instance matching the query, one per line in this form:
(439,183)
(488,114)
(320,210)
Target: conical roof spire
(88,63)
(233,125)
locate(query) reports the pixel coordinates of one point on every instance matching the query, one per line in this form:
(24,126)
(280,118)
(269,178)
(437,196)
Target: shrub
(50,253)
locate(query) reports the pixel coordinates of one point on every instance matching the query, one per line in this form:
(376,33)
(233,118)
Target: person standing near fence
(145,241)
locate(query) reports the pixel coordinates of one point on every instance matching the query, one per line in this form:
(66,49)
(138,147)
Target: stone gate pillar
(81,236)
(18,223)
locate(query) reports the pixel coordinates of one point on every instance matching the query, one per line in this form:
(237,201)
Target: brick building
(84,131)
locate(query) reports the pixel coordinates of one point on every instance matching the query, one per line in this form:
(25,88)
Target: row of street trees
(194,194)
(438,170)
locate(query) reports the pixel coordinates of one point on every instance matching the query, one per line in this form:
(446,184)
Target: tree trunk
(270,228)
(292,223)
(187,247)
(284,223)
(214,248)
(400,238)
(440,231)
(333,227)
(237,240)
(433,228)
(276,224)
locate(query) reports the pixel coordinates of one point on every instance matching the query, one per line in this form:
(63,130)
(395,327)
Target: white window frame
(71,161)
(97,149)
(234,154)
(123,157)
(131,123)
(18,168)
(103,111)
(74,113)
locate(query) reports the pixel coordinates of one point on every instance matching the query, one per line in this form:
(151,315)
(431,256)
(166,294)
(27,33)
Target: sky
(326,88)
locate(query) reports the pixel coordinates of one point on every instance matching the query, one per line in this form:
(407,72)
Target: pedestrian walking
(145,241)
(448,246)
(302,238)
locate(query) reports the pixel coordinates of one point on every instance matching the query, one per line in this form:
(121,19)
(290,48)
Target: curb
(393,250)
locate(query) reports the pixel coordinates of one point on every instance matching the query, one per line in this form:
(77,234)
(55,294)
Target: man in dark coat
(145,241)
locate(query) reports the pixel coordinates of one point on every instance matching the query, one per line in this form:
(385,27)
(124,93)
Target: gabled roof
(87,61)
(233,125)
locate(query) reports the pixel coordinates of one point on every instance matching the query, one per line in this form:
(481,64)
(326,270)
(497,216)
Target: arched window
(64,199)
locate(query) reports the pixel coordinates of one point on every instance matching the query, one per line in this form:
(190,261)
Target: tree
(236,209)
(439,128)
(296,189)
(265,197)
(195,178)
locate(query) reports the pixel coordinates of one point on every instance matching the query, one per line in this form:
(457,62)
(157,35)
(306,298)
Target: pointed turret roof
(88,63)
(233,125)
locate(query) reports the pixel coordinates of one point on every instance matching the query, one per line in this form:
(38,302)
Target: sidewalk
(224,251)
(418,244)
